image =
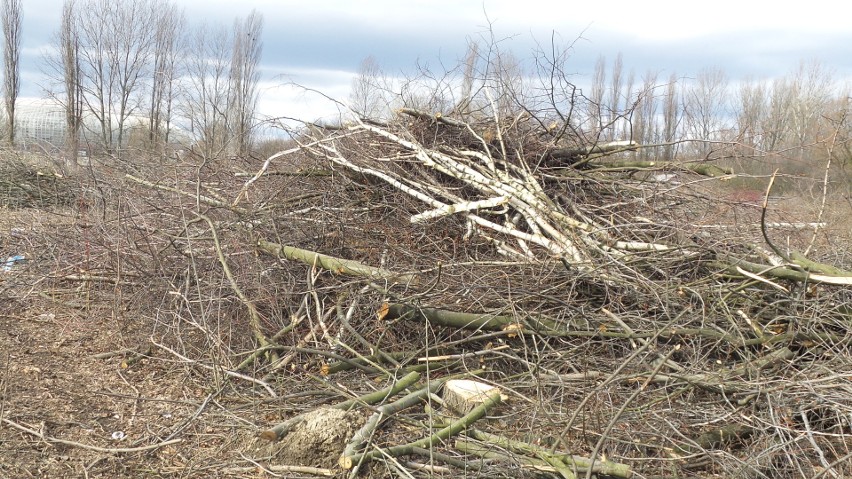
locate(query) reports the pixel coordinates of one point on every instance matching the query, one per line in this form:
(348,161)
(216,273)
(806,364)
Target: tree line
(692,115)
(137,66)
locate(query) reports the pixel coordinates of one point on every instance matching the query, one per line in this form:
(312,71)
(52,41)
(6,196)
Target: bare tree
(615,99)
(116,49)
(813,91)
(466,96)
(62,67)
(597,117)
(705,107)
(244,79)
(671,118)
(776,123)
(204,96)
(554,98)
(629,108)
(69,53)
(11,17)
(507,81)
(366,98)
(750,112)
(168,40)
(645,129)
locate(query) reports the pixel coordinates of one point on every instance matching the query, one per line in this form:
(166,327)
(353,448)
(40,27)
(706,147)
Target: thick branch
(573,154)
(453,429)
(730,265)
(607,468)
(474,321)
(362,435)
(331,263)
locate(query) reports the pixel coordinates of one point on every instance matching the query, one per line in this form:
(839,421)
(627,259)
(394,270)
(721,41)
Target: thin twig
(108,450)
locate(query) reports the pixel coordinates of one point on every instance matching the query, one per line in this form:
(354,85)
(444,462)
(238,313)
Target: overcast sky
(320,44)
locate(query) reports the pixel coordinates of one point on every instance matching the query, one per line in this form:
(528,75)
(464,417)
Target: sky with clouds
(320,44)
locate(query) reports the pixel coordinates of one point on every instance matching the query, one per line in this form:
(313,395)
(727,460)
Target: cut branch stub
(463,395)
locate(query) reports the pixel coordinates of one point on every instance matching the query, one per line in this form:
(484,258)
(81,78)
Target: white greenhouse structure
(40,124)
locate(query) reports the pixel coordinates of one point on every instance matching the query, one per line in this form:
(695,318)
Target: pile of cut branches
(23,185)
(377,260)
(679,346)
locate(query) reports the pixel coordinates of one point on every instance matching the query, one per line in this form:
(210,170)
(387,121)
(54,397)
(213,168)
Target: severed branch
(715,438)
(228,372)
(721,381)
(459,208)
(277,469)
(264,170)
(488,452)
(819,268)
(361,436)
(451,430)
(703,169)
(730,264)
(472,321)
(574,154)
(509,326)
(199,198)
(254,316)
(331,263)
(582,464)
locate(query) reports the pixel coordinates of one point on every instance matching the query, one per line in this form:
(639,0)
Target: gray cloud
(331,37)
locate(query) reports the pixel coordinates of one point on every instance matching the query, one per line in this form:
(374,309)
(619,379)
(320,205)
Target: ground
(98,380)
